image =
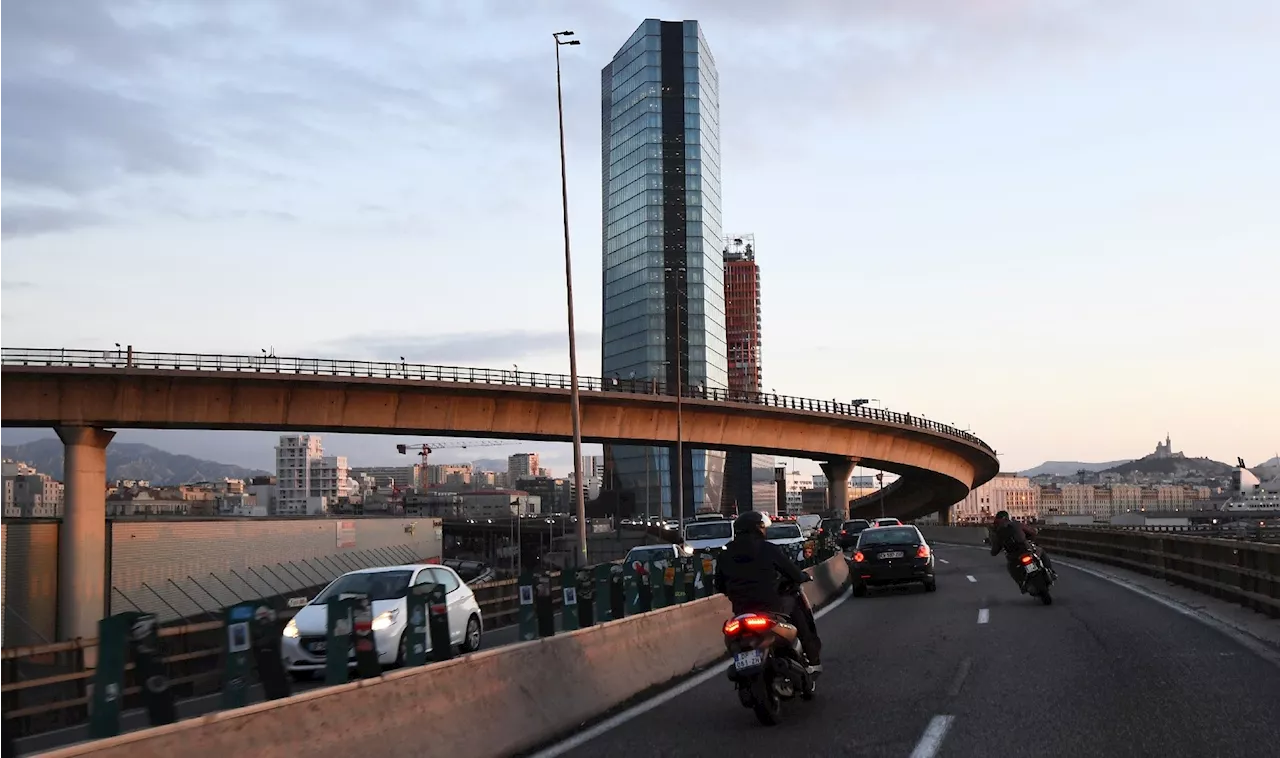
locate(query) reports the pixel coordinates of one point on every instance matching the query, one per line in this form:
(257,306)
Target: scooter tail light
(757,623)
(1026,559)
(731,627)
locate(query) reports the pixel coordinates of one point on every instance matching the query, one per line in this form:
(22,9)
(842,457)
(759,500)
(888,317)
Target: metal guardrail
(1240,571)
(129,360)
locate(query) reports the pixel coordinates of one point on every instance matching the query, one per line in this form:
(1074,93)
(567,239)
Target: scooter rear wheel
(768,706)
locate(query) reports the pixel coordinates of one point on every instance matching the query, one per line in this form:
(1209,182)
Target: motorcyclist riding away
(1013,538)
(747,572)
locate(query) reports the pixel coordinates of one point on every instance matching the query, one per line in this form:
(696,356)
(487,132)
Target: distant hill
(131,460)
(1069,468)
(1174,467)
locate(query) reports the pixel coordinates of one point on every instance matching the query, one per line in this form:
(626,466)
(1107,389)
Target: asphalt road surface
(977,669)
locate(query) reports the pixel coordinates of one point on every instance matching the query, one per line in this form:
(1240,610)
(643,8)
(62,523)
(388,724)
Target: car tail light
(922,551)
(858,557)
(1026,559)
(844,532)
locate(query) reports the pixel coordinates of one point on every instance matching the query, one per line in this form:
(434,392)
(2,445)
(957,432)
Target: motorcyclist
(747,572)
(1014,539)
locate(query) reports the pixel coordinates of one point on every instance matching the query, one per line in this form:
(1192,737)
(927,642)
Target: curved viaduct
(83,393)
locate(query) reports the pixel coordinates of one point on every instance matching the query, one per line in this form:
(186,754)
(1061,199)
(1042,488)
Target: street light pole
(575,409)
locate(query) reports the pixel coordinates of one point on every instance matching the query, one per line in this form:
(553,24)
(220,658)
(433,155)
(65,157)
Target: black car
(891,555)
(847,537)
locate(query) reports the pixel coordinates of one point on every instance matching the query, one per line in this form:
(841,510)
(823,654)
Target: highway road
(976,669)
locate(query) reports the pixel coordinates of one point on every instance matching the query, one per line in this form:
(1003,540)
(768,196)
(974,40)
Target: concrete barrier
(487,704)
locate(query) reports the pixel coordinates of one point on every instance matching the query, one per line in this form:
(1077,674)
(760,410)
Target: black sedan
(849,531)
(891,555)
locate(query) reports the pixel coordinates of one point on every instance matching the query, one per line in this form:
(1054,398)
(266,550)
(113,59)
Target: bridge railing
(129,359)
(1244,572)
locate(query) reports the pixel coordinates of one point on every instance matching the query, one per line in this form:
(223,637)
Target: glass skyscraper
(663,260)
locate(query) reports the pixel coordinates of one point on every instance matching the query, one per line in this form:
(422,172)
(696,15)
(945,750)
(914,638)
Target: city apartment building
(307,481)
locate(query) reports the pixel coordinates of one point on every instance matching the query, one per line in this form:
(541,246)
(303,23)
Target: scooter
(768,664)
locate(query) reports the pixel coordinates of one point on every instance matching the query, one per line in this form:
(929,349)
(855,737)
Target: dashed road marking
(944,560)
(984,616)
(970,577)
(931,741)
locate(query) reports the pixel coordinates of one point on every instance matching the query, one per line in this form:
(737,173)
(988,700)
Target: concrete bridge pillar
(82,540)
(944,516)
(838,472)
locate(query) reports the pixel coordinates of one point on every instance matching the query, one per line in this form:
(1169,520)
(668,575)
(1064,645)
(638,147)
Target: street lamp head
(573,42)
(562,34)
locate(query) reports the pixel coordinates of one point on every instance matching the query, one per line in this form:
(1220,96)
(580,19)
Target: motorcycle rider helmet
(1002,516)
(751,521)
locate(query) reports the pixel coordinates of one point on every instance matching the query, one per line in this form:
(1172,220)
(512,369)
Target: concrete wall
(29,595)
(492,703)
(188,566)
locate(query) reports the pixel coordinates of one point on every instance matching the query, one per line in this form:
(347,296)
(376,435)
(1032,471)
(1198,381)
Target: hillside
(1179,467)
(131,460)
(1068,468)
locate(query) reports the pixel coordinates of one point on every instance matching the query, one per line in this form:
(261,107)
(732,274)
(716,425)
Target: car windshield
(378,585)
(856,525)
(782,532)
(713,530)
(902,535)
(645,555)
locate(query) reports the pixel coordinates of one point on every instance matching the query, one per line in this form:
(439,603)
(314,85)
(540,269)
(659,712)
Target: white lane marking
(961,675)
(644,707)
(970,577)
(984,616)
(1253,644)
(944,560)
(1248,641)
(931,741)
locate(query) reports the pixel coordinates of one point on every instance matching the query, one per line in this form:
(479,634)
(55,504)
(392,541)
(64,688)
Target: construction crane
(426,448)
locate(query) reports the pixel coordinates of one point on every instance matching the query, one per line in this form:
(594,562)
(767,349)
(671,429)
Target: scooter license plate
(748,659)
(1032,568)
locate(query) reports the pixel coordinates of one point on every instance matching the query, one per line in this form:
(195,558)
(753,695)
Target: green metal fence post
(108,678)
(337,644)
(238,641)
(569,600)
(527,617)
(417,635)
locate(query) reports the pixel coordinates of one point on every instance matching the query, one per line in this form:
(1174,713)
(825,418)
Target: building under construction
(749,478)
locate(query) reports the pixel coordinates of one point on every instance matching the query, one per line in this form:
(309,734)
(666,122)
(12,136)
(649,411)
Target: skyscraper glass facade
(663,261)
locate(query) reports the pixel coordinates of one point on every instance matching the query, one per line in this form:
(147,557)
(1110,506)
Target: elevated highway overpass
(84,393)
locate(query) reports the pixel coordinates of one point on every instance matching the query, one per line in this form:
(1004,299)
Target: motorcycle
(1036,578)
(768,666)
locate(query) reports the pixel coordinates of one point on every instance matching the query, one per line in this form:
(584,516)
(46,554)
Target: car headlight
(291,629)
(385,620)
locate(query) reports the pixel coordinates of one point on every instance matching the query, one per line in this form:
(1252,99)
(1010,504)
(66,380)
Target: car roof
(401,567)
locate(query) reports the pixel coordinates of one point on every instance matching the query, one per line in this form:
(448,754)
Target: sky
(1053,223)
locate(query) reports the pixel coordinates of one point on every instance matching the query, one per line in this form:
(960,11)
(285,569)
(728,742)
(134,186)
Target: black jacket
(1012,539)
(748,570)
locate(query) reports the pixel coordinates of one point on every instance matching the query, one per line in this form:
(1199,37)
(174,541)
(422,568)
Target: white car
(707,534)
(888,521)
(786,535)
(304,641)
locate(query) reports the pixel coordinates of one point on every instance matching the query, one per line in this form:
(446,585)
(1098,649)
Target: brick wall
(29,596)
(186,568)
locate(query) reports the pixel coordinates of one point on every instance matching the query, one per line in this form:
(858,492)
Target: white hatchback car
(303,645)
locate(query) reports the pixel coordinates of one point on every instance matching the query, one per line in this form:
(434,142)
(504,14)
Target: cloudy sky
(1052,222)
